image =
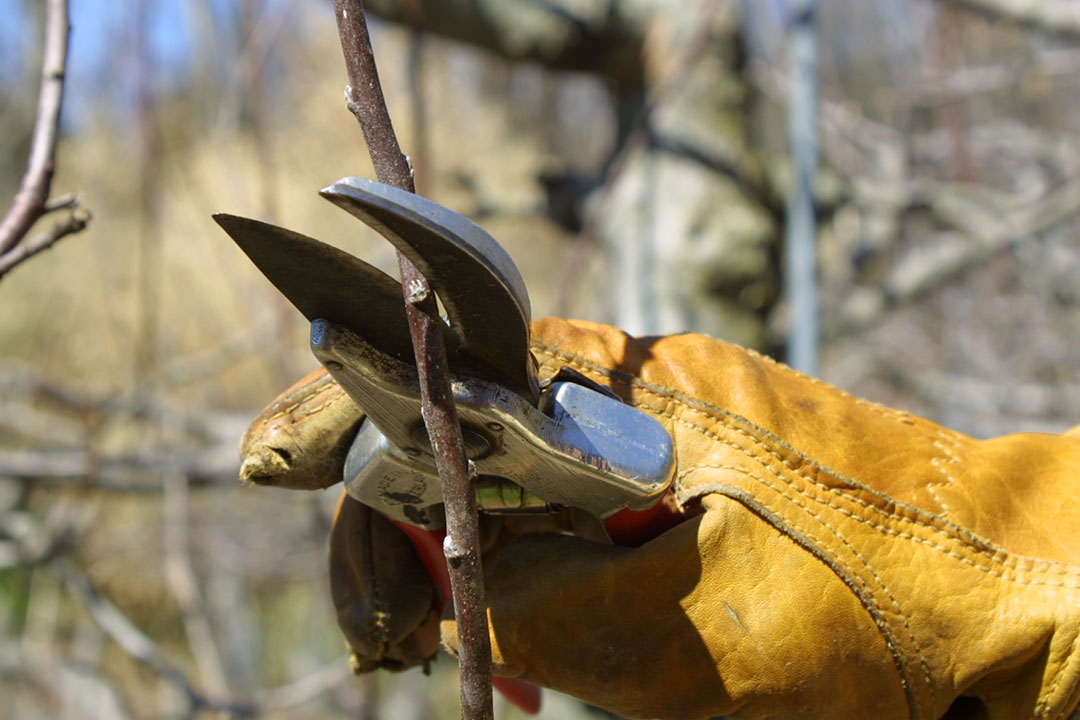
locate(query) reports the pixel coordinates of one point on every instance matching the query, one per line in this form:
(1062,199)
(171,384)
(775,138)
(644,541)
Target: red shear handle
(428,544)
(636,527)
(628,527)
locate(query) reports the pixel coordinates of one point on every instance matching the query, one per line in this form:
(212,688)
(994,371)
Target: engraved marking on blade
(403,489)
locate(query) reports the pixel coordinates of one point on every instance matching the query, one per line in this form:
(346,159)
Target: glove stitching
(974,542)
(308,393)
(794,529)
(870,598)
(855,582)
(1069,658)
(899,416)
(971,542)
(1041,709)
(693,493)
(893,414)
(946,528)
(380,616)
(1000,558)
(947,457)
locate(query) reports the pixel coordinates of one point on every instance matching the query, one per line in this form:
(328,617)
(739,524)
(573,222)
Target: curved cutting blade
(324,282)
(478,283)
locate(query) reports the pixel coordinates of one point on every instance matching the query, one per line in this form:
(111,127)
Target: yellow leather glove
(839,559)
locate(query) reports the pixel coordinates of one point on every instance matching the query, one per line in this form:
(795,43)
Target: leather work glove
(838,559)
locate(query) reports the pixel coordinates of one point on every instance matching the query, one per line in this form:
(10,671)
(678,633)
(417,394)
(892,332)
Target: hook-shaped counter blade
(479,285)
(325,282)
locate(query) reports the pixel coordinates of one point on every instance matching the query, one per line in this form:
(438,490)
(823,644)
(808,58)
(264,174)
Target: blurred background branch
(32,199)
(632,157)
(1053,16)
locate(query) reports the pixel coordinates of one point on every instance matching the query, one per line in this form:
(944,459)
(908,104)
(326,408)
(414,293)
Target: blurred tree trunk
(688,228)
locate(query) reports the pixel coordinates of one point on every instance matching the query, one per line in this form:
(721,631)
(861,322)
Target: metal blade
(478,283)
(324,282)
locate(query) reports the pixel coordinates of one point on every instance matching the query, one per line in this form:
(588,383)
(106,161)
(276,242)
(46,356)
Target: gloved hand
(838,559)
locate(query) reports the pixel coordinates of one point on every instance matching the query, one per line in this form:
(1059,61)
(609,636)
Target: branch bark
(604,38)
(462,545)
(32,199)
(75,222)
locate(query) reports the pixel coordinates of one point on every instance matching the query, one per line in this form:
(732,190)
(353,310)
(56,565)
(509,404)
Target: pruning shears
(533,447)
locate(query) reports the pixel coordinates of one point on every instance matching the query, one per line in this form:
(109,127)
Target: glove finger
(301,439)
(386,605)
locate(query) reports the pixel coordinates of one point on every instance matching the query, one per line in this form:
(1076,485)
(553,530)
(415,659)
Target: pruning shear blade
(571,445)
(324,282)
(477,282)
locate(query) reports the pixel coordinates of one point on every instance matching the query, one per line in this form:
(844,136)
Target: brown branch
(137,644)
(134,472)
(306,688)
(462,545)
(981,233)
(67,201)
(22,252)
(180,577)
(32,199)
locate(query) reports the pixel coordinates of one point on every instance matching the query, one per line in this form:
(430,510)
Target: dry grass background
(992,350)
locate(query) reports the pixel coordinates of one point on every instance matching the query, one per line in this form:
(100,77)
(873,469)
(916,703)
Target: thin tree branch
(67,201)
(34,547)
(22,252)
(31,200)
(181,579)
(306,688)
(984,233)
(462,545)
(133,641)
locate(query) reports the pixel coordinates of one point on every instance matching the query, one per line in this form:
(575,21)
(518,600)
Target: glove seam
(310,391)
(898,416)
(1069,659)
(787,491)
(855,582)
(975,543)
(852,572)
(960,543)
(1000,557)
(947,457)
(691,493)
(380,617)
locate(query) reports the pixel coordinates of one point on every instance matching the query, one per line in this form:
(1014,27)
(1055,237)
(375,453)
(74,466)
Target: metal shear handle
(583,449)
(571,445)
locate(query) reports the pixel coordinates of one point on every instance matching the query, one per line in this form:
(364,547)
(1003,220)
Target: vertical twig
(29,203)
(801,259)
(148,154)
(365,100)
(257,38)
(180,576)
(32,199)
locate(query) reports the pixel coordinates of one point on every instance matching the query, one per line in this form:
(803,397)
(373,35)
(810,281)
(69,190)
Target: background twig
(32,199)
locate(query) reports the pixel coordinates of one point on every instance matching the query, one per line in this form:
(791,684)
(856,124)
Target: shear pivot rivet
(412,452)
(418,291)
(333,365)
(494,427)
